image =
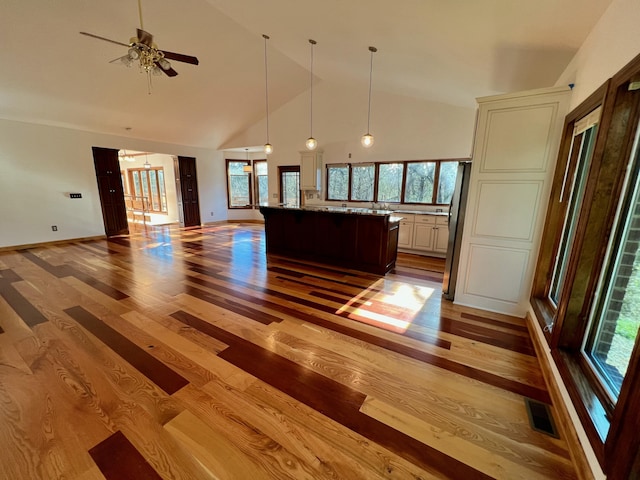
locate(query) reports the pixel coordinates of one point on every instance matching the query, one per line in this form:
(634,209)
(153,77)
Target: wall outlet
(54,228)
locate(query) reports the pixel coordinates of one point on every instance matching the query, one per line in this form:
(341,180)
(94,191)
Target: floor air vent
(540,417)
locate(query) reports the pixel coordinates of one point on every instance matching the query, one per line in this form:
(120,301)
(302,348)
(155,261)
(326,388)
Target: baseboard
(55,242)
(245,221)
(582,455)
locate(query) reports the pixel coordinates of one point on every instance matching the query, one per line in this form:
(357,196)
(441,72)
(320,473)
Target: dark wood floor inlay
(69,271)
(336,401)
(25,310)
(118,459)
(152,368)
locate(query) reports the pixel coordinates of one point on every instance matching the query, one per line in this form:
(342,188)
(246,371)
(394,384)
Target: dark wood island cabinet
(359,239)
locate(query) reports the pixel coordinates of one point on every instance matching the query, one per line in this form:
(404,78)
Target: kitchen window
(424,182)
(362,182)
(337,182)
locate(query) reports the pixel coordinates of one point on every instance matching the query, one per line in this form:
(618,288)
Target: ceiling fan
(151,59)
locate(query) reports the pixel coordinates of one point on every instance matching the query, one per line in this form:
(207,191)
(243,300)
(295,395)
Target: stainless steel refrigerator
(457,210)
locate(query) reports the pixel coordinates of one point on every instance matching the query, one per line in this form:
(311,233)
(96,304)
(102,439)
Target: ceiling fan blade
(103,38)
(170,72)
(179,57)
(144,37)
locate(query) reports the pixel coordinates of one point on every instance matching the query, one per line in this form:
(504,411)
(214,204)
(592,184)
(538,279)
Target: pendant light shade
(311,143)
(268,148)
(367,138)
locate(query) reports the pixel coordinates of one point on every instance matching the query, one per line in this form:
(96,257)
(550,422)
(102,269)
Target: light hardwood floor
(185,354)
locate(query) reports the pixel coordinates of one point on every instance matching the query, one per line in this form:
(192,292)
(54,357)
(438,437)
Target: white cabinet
(441,235)
(405,236)
(514,153)
(310,170)
(424,233)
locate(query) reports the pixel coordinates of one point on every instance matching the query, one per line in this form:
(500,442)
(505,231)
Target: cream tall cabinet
(310,170)
(514,155)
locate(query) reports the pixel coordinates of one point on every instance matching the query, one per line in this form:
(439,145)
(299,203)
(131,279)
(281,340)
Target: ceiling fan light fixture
(133,53)
(164,63)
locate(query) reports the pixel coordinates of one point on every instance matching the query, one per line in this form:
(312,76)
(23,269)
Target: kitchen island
(352,238)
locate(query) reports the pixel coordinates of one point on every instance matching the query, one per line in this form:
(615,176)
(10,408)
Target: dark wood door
(114,211)
(188,191)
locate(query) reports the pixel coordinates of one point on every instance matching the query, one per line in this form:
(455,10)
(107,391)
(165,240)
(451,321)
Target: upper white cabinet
(514,155)
(310,170)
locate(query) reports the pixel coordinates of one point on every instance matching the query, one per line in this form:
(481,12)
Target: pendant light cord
(312,42)
(372,50)
(266,83)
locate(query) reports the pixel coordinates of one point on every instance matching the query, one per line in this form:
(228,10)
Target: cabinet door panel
(405,235)
(423,237)
(441,239)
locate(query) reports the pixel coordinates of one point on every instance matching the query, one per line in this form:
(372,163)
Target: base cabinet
(356,241)
(424,233)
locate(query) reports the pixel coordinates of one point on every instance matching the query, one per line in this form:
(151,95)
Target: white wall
(40,165)
(404,128)
(613,42)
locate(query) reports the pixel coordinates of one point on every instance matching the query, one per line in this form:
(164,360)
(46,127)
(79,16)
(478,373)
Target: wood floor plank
(154,370)
(117,458)
(214,361)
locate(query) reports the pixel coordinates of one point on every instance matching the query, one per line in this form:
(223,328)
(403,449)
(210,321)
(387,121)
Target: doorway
(144,189)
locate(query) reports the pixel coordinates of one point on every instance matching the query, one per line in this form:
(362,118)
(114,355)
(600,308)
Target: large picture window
(426,182)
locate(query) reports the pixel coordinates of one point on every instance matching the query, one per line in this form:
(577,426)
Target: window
(616,316)
(290,185)
(147,185)
(337,182)
(390,182)
(262,181)
(572,192)
(362,182)
(238,184)
(586,291)
(446,182)
(419,182)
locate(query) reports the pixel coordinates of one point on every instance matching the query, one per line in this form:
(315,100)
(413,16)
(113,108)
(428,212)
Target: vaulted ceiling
(448,51)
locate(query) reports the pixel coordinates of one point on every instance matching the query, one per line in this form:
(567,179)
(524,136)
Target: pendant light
(268,148)
(247,168)
(367,138)
(312,143)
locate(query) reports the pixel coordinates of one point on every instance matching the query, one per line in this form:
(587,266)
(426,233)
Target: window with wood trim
(424,182)
(586,290)
(289,185)
(147,185)
(261,181)
(338,182)
(239,184)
